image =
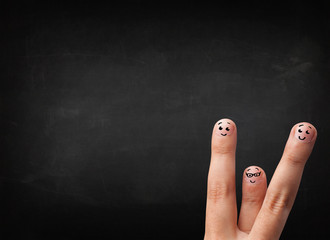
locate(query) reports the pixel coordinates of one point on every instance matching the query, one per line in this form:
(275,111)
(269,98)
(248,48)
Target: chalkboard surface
(107,112)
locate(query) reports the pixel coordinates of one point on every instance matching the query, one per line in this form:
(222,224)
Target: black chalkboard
(107,112)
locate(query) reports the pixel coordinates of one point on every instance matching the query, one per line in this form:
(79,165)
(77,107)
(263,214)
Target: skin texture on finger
(284,185)
(254,187)
(221,209)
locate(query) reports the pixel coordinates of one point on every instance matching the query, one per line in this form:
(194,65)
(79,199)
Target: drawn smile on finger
(304,132)
(224,128)
(253,176)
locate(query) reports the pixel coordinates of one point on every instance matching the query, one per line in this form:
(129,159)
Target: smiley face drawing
(253,175)
(225,128)
(303,132)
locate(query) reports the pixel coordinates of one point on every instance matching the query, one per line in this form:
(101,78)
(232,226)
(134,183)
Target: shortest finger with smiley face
(254,175)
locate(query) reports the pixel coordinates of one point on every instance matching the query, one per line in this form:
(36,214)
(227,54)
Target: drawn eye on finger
(253,174)
(249,175)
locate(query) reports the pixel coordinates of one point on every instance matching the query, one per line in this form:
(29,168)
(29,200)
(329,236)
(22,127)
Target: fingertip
(304,132)
(225,127)
(224,138)
(254,175)
(300,144)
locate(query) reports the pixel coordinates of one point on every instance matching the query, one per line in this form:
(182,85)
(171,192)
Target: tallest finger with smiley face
(221,208)
(225,127)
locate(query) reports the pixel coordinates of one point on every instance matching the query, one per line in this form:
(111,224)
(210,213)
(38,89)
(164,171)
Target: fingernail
(225,127)
(304,132)
(253,175)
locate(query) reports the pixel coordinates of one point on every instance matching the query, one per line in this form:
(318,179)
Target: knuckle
(218,191)
(222,149)
(253,200)
(294,160)
(278,203)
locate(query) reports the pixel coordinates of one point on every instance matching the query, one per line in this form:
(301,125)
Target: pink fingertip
(253,175)
(304,132)
(225,127)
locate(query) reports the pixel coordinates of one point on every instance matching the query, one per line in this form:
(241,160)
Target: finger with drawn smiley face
(304,132)
(264,211)
(254,189)
(253,174)
(225,127)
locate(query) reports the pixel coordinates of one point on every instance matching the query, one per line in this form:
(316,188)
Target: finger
(284,185)
(221,210)
(254,186)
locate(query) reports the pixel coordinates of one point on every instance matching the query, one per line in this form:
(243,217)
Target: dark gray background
(107,112)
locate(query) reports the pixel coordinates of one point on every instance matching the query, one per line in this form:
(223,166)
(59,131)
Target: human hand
(263,211)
